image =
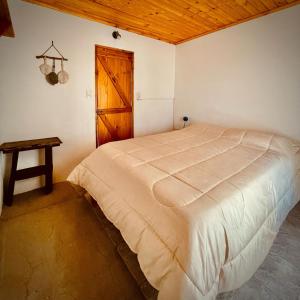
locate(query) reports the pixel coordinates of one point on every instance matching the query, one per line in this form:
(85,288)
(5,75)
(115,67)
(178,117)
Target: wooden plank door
(114,94)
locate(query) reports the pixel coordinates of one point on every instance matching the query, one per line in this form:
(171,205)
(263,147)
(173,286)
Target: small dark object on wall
(52,77)
(185,120)
(116,35)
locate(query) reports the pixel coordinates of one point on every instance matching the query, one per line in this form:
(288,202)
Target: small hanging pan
(45,68)
(62,75)
(52,77)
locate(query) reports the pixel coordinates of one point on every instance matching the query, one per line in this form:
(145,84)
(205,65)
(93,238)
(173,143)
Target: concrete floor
(278,278)
(53,247)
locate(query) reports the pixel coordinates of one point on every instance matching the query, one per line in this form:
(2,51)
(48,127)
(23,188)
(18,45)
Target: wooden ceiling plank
(139,28)
(98,9)
(270,4)
(238,9)
(178,26)
(232,14)
(202,9)
(198,14)
(173,21)
(190,26)
(259,5)
(147,29)
(211,10)
(189,16)
(156,14)
(293,3)
(174,10)
(118,17)
(281,2)
(104,19)
(236,13)
(220,13)
(171,24)
(248,6)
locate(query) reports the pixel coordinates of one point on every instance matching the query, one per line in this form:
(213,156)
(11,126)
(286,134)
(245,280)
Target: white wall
(31,108)
(247,75)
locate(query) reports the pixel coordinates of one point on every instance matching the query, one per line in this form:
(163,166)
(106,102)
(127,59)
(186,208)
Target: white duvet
(200,206)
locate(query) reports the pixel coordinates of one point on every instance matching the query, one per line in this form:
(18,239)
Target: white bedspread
(200,206)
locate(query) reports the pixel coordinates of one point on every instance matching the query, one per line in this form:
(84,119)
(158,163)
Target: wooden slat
(97,12)
(248,6)
(112,131)
(270,4)
(148,14)
(176,8)
(30,144)
(241,21)
(259,5)
(281,2)
(173,21)
(114,80)
(113,110)
(31,172)
(111,52)
(149,10)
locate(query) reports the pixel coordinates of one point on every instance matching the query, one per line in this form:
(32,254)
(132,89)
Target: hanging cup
(45,68)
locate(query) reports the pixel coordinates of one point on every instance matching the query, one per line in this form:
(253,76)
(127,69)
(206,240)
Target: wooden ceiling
(173,21)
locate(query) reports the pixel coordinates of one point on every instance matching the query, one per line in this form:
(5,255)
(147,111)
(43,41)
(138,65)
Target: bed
(199,206)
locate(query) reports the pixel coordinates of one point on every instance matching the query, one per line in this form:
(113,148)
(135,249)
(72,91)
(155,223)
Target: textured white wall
(31,108)
(247,75)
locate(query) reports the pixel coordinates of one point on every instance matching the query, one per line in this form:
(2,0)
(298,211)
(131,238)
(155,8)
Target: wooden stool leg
(49,169)
(8,199)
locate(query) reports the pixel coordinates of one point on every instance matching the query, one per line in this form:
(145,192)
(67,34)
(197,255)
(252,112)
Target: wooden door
(114,95)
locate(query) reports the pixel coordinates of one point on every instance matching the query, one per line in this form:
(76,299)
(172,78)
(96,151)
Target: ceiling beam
(6,27)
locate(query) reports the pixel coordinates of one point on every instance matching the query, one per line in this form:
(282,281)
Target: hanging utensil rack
(52,57)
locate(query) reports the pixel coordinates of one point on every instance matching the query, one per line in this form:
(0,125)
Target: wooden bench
(46,169)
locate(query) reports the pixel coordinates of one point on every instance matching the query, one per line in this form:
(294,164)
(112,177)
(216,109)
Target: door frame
(96,89)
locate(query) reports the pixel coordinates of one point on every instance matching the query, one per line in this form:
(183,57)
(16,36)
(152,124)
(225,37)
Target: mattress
(200,206)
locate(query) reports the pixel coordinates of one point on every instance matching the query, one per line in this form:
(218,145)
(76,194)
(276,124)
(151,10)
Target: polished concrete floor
(53,247)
